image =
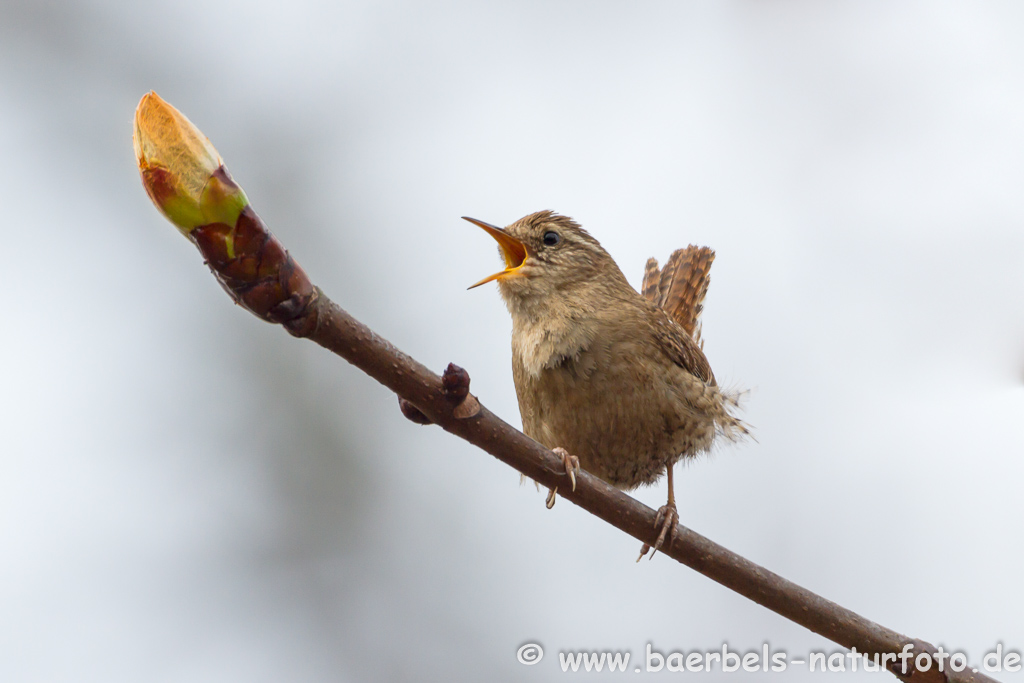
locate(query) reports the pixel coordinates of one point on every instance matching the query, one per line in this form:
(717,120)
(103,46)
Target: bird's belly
(625,420)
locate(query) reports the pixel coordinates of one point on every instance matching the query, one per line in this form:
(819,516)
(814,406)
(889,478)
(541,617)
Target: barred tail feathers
(681,285)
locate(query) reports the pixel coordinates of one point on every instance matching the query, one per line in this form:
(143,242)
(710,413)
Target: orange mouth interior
(512,250)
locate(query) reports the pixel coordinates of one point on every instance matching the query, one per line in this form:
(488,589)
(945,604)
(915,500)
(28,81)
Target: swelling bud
(181,171)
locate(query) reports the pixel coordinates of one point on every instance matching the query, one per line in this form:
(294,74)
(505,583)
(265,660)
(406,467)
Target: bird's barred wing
(681,348)
(680,287)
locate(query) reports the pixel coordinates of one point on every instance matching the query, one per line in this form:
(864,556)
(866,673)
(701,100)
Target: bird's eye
(551,238)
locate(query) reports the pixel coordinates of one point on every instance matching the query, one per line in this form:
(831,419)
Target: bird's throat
(543,343)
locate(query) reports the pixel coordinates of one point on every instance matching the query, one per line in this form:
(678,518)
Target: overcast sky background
(188,494)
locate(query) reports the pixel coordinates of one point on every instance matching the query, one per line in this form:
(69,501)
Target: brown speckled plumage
(614,377)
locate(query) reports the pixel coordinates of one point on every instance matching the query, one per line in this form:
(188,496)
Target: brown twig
(334,329)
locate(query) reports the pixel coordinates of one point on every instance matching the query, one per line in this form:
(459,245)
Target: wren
(614,381)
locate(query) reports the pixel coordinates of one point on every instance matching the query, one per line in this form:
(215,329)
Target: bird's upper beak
(513,250)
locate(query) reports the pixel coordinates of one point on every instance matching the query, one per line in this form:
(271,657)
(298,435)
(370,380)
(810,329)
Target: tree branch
(199,196)
(328,325)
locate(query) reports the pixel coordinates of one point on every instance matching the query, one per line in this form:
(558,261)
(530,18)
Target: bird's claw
(571,464)
(572,467)
(666,519)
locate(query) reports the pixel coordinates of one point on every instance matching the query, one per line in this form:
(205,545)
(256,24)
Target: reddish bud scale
(254,268)
(455,381)
(159,183)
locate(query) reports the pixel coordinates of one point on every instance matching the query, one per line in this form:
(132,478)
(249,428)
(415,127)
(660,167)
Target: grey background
(187,494)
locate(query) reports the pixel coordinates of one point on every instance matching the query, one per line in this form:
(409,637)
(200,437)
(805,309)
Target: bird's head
(547,254)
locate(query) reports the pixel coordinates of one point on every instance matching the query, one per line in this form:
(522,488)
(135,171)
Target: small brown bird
(614,381)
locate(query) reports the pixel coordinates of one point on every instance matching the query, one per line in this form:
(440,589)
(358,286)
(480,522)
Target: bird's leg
(667,519)
(572,466)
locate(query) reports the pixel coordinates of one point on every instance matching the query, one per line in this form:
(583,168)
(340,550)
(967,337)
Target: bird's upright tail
(680,287)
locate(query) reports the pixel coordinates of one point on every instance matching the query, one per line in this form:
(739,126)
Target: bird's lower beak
(512,249)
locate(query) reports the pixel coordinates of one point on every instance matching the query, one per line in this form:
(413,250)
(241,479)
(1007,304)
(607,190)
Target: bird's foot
(572,467)
(666,519)
(571,464)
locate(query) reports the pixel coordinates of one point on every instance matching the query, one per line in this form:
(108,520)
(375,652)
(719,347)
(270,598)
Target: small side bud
(455,381)
(412,413)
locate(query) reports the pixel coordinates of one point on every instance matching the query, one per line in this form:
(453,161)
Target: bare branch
(334,329)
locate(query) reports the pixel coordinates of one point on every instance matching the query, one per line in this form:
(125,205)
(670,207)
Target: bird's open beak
(512,249)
